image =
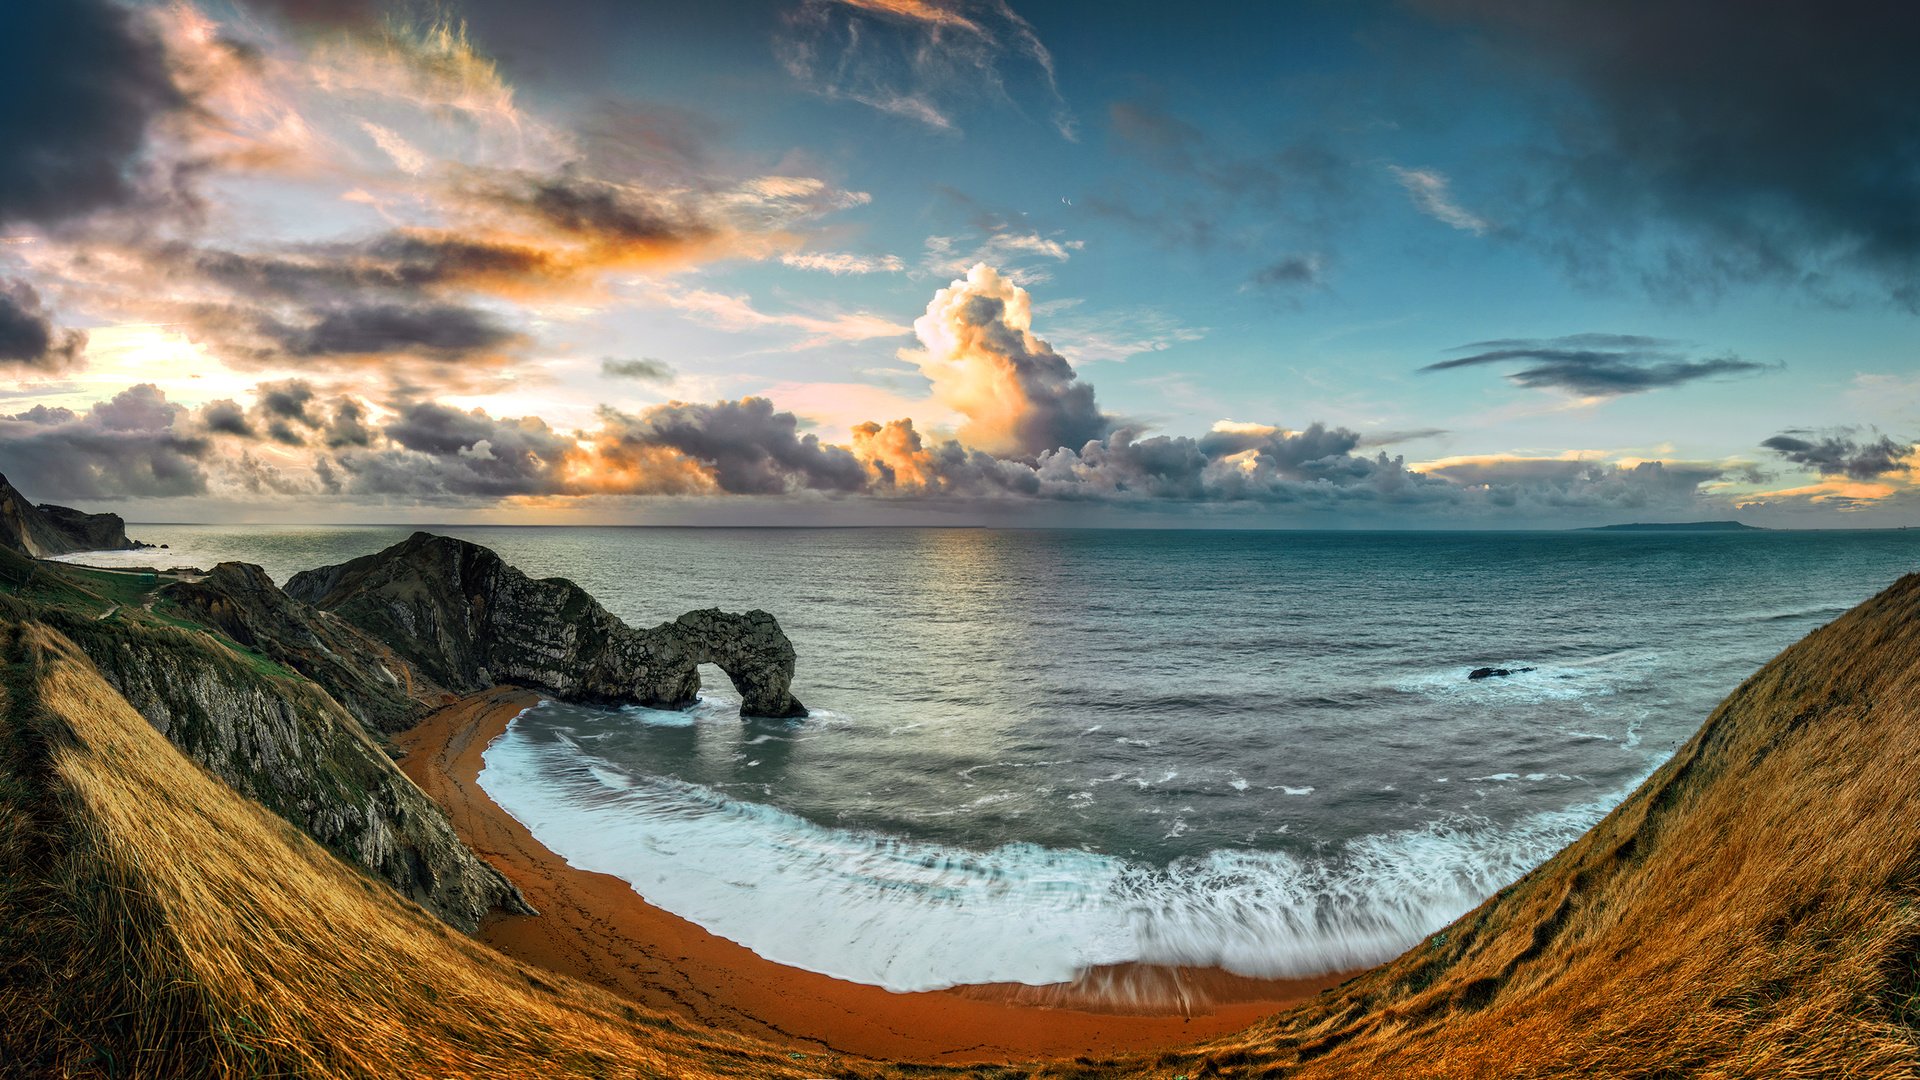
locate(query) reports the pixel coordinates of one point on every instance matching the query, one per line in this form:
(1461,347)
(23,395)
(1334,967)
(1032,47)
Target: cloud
(135,444)
(735,312)
(643,369)
(920,59)
(1019,397)
(1722,141)
(1432,193)
(1303,271)
(85,81)
(1838,453)
(1213,193)
(746,447)
(28,338)
(1596,365)
(377,330)
(839,263)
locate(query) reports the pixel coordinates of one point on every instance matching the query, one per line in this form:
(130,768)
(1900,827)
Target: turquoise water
(1032,751)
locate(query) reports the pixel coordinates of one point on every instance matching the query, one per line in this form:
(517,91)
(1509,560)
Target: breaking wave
(913,915)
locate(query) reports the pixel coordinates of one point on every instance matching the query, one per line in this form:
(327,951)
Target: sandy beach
(596,928)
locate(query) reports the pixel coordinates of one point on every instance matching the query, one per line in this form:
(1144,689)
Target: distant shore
(596,928)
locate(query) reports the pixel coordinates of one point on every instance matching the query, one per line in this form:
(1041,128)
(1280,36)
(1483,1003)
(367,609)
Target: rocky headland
(469,621)
(46,529)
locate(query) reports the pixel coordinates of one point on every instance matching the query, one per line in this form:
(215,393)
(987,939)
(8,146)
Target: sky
(1417,264)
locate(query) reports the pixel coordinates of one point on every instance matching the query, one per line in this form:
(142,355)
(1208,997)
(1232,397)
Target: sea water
(1033,752)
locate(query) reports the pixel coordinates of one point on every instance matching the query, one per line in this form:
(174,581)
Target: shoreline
(594,927)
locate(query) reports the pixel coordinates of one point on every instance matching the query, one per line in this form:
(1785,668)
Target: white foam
(910,915)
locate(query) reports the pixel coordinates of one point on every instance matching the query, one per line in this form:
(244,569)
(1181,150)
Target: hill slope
(160,925)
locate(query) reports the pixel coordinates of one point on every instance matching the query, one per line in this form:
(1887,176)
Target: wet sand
(596,928)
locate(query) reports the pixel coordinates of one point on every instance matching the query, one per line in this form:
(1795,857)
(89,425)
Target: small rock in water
(1495,672)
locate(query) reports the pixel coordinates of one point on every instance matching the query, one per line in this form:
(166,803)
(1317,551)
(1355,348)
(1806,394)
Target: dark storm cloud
(226,417)
(1596,365)
(747,446)
(1839,453)
(1785,133)
(135,444)
(403,262)
(28,338)
(594,209)
(434,450)
(82,81)
(644,369)
(446,331)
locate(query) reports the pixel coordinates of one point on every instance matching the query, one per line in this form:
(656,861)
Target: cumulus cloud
(921,59)
(1596,365)
(1018,395)
(135,444)
(1841,453)
(28,338)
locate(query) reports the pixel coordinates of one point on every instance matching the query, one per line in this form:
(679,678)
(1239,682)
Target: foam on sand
(911,915)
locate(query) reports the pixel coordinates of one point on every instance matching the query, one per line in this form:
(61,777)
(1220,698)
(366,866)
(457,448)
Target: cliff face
(374,683)
(283,742)
(468,621)
(46,529)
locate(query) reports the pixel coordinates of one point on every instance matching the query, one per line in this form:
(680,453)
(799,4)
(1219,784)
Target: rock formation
(1495,673)
(467,620)
(47,529)
(374,683)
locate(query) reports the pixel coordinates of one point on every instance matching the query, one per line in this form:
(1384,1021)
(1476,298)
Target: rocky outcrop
(371,681)
(1494,673)
(280,740)
(47,529)
(468,621)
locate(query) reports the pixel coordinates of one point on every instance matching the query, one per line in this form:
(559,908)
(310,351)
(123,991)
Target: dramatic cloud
(1839,453)
(747,446)
(83,81)
(28,338)
(1780,136)
(1018,395)
(136,444)
(444,331)
(1596,365)
(1432,193)
(918,59)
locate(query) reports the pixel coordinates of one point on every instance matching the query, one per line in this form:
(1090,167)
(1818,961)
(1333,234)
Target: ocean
(1034,752)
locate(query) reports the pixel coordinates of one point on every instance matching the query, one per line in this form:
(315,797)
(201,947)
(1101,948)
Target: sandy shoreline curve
(594,927)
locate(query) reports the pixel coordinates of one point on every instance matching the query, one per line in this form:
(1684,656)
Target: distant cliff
(1678,526)
(468,620)
(47,529)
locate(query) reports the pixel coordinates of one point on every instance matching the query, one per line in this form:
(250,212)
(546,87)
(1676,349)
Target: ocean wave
(913,915)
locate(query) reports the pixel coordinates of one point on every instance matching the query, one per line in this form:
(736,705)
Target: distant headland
(1678,526)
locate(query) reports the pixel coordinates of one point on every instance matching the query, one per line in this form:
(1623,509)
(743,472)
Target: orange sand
(596,928)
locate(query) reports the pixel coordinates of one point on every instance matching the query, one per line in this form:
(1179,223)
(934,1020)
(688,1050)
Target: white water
(910,915)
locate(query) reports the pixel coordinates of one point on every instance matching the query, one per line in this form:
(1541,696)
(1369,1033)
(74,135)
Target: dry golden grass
(160,925)
(1752,911)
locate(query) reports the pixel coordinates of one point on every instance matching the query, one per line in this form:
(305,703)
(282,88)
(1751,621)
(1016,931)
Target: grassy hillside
(1752,911)
(161,925)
